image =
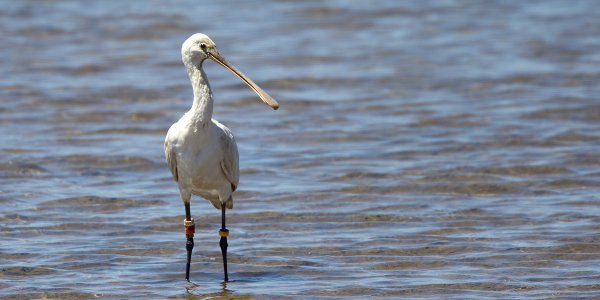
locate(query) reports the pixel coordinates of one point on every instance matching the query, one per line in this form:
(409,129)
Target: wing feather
(231,161)
(171,158)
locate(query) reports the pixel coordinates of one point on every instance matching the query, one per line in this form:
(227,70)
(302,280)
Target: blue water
(438,149)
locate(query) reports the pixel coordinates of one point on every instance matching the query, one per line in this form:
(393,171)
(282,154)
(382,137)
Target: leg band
(190,227)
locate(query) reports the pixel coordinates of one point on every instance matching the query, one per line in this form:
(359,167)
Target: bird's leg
(224,233)
(190,228)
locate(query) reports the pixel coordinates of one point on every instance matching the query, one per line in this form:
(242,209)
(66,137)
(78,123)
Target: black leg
(189,245)
(223,243)
(188,215)
(190,228)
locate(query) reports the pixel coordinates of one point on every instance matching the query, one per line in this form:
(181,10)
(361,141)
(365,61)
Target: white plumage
(203,159)
(201,152)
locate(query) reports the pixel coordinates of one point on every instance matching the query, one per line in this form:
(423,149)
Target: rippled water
(429,149)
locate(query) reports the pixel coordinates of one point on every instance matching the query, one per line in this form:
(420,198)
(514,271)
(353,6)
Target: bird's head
(199,47)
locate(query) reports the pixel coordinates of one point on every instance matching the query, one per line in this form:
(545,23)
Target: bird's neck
(202,109)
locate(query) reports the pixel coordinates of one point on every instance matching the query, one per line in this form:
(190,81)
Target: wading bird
(201,152)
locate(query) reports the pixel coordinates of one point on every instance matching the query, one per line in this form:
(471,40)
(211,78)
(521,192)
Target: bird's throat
(202,109)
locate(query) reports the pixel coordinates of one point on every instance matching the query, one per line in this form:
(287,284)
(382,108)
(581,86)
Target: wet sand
(434,150)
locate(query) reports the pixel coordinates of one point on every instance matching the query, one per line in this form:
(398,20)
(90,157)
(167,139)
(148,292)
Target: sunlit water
(431,149)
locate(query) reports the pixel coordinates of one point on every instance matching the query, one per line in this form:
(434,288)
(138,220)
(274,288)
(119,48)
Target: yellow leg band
(224,232)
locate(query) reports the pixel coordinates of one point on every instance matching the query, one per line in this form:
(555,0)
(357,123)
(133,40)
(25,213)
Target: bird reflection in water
(192,288)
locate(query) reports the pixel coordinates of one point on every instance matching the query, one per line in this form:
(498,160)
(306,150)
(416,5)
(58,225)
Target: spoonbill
(201,152)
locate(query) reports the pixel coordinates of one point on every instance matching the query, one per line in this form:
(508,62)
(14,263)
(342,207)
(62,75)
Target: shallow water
(439,149)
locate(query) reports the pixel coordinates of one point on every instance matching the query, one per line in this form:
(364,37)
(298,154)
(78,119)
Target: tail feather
(217,203)
(229,202)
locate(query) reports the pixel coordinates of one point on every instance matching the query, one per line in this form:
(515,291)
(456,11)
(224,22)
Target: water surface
(439,149)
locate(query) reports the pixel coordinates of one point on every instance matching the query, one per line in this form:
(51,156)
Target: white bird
(201,152)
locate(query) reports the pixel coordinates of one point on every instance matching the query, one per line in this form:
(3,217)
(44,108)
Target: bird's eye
(203,45)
